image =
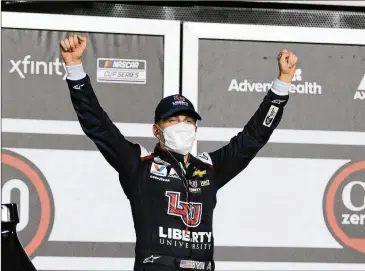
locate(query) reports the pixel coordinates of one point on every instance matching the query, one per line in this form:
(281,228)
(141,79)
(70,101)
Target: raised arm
(119,152)
(231,159)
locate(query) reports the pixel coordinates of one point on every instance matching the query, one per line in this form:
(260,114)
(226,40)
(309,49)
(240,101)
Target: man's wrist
(73,62)
(285,78)
(75,72)
(280,88)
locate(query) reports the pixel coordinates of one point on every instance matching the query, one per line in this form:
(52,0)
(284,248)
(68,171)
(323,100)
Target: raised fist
(287,65)
(72,49)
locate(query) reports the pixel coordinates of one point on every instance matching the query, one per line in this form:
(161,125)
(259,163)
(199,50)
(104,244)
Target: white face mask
(180,137)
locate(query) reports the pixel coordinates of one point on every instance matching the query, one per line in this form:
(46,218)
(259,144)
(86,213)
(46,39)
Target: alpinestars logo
(298,85)
(190,213)
(151,259)
(27,67)
(360,93)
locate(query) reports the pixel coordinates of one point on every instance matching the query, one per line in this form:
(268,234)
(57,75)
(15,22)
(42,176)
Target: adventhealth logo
(298,85)
(360,93)
(26,67)
(297,75)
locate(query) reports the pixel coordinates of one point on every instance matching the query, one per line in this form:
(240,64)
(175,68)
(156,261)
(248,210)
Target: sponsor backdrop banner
(328,86)
(128,68)
(294,202)
(70,200)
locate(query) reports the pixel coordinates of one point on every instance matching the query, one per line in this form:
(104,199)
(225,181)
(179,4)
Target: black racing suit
(172,203)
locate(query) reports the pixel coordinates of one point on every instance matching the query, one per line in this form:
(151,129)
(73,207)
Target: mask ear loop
(157,136)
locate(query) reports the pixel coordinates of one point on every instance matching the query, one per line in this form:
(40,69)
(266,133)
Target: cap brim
(189,112)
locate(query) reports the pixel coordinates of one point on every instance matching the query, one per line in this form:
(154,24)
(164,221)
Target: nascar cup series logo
(127,71)
(344,206)
(24,184)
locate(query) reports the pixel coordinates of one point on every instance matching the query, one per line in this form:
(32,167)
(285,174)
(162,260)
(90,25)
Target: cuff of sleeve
(280,88)
(75,72)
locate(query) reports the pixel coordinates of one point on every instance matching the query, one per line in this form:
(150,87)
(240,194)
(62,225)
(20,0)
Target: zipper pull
(182,168)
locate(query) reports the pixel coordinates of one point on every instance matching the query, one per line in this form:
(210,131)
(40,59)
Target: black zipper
(186,185)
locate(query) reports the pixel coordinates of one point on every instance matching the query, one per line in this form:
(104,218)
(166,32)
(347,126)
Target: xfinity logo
(26,66)
(298,86)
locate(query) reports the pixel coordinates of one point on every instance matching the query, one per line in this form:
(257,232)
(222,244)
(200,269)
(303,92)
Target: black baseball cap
(173,104)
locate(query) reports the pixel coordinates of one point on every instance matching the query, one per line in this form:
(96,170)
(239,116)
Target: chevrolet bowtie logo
(150,259)
(199,173)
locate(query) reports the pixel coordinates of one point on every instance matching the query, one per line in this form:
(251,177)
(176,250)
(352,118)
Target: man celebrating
(172,193)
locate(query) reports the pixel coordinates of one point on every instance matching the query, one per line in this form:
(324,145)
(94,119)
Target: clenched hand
(287,64)
(72,49)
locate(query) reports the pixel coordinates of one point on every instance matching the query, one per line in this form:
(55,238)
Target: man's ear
(155,131)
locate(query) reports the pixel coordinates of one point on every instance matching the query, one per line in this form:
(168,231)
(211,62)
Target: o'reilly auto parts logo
(298,85)
(344,206)
(128,71)
(360,93)
(24,184)
(28,67)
